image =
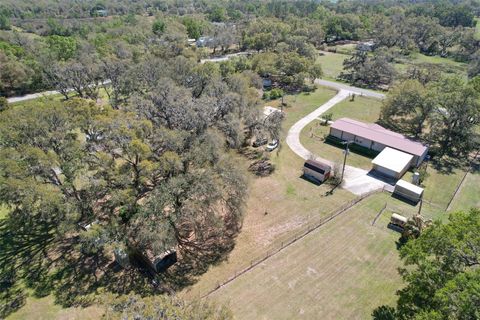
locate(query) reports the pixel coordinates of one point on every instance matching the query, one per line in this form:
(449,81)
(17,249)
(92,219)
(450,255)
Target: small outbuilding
(317,170)
(408,191)
(392,163)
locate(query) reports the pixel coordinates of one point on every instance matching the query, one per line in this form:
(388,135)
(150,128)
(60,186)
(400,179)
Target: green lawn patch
(332,64)
(362,109)
(446,65)
(440,186)
(468,195)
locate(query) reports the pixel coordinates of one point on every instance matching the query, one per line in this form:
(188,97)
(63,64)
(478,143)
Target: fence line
(379,214)
(469,169)
(306,229)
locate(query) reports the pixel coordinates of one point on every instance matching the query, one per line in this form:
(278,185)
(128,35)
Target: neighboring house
(377,138)
(204,41)
(366,46)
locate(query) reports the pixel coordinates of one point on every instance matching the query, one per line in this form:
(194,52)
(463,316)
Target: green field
(469,194)
(445,65)
(332,64)
(362,109)
(343,270)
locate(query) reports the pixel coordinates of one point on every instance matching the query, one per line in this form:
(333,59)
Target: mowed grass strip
(343,270)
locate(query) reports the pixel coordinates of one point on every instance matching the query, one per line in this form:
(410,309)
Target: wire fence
(311,225)
(469,169)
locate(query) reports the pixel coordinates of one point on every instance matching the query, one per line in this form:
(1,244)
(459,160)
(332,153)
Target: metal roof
(324,166)
(392,159)
(377,133)
(408,186)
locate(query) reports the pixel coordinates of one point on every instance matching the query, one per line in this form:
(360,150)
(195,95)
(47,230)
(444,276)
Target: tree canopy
(441,272)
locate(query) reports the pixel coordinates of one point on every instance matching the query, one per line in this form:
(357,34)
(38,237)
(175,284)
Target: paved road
(226,57)
(32,96)
(342,86)
(356,180)
(40,94)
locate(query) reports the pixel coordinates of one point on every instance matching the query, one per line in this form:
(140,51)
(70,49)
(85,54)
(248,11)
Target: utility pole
(346,143)
(420,207)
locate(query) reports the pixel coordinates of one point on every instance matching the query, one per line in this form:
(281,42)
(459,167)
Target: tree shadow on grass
(21,257)
(196,259)
(48,264)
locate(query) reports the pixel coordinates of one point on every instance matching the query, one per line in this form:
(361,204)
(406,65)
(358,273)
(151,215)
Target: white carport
(392,163)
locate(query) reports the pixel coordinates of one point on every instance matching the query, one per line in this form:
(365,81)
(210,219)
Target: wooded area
(138,153)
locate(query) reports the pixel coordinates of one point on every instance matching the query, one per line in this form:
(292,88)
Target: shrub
(276,93)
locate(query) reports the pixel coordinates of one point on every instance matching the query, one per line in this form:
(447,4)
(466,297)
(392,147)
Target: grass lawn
(439,186)
(343,270)
(446,65)
(289,201)
(469,194)
(303,103)
(362,109)
(332,64)
(46,309)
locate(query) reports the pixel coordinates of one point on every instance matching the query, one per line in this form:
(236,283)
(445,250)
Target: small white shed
(408,191)
(392,163)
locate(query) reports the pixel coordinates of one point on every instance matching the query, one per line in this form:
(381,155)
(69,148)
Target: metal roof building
(376,137)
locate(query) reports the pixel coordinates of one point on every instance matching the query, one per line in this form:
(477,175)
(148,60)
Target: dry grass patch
(342,270)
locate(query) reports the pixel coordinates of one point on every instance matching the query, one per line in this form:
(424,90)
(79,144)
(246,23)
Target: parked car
(259,142)
(272,145)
